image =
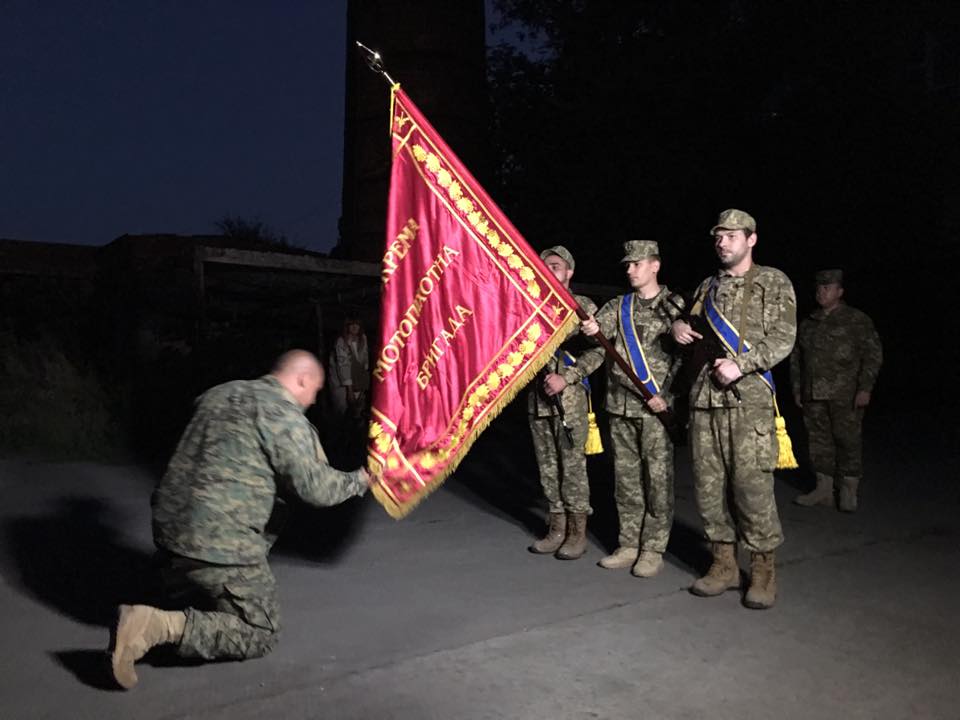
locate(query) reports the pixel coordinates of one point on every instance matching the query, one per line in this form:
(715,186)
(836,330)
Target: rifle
(667,417)
(558,404)
(699,353)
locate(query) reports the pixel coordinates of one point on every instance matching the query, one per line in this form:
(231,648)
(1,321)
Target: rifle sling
(744,302)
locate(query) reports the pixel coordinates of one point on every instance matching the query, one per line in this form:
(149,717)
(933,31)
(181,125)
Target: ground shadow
(500,472)
(74,560)
(688,548)
(321,535)
(90,667)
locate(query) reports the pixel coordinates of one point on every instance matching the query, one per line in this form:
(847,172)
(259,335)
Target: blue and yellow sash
(727,333)
(628,332)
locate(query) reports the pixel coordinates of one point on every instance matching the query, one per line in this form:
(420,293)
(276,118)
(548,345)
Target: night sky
(165,117)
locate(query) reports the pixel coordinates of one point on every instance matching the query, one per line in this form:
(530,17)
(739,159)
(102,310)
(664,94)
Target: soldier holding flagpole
(639,325)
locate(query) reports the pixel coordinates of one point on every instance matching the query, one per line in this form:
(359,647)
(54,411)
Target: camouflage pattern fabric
(653,319)
(734,455)
(642,450)
(247,444)
(771,328)
(233,611)
(835,438)
(837,355)
(643,468)
(563,469)
(734,445)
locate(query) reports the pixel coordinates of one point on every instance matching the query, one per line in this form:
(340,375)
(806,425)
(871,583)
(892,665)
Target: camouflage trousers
(563,467)
(643,467)
(734,455)
(233,611)
(833,428)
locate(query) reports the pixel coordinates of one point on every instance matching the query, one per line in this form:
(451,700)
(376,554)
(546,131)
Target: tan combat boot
(649,564)
(847,502)
(763,582)
(139,628)
(822,494)
(622,557)
(576,543)
(556,532)
(724,573)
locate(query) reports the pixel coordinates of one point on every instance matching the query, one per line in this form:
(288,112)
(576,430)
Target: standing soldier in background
(753,310)
(560,454)
(638,324)
(833,369)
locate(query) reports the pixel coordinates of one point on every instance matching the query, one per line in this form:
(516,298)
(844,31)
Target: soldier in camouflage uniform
(216,512)
(833,369)
(562,464)
(642,449)
(734,441)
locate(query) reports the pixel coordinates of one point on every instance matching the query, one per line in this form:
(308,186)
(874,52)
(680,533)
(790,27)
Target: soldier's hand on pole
(554,384)
(590,326)
(657,404)
(683,334)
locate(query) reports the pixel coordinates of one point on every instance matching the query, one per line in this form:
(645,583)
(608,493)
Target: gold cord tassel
(594,445)
(785,458)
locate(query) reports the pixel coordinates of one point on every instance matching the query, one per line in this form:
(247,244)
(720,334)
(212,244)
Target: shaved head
(301,374)
(295,360)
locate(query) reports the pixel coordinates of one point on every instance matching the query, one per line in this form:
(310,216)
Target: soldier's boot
(556,532)
(847,502)
(763,582)
(723,575)
(822,494)
(139,628)
(575,544)
(649,564)
(622,557)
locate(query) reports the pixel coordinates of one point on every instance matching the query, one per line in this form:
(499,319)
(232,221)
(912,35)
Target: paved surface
(445,615)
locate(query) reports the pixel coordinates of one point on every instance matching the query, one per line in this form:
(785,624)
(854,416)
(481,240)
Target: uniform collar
(272,381)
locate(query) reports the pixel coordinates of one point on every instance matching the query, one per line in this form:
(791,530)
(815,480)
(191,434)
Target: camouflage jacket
(652,320)
(771,328)
(247,447)
(574,397)
(837,354)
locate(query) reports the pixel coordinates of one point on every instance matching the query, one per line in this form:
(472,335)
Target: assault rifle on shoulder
(557,403)
(700,352)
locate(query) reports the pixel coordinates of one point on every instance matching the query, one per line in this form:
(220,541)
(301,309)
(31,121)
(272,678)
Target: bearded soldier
(752,309)
(559,441)
(833,369)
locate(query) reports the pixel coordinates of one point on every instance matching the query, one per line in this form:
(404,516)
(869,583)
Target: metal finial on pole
(375,61)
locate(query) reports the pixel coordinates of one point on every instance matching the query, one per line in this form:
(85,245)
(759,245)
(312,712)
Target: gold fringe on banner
(398,511)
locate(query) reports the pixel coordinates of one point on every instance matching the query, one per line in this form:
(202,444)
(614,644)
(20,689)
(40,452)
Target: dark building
(436,50)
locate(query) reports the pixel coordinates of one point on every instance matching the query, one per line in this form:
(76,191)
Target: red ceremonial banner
(469,314)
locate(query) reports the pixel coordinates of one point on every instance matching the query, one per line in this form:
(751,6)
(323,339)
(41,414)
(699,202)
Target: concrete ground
(445,614)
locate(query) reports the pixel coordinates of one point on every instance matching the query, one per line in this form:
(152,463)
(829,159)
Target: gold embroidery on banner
(397,250)
(475,217)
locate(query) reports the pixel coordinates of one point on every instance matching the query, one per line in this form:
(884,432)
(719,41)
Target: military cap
(561,252)
(734,219)
(829,277)
(634,250)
